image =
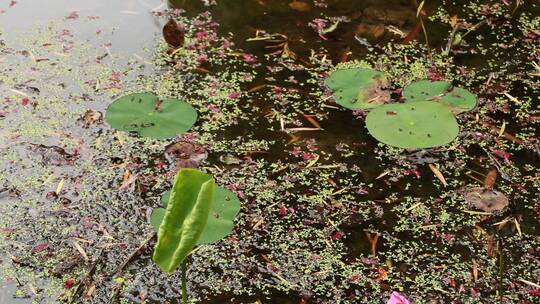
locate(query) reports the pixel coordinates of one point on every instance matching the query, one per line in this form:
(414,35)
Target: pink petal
(397,298)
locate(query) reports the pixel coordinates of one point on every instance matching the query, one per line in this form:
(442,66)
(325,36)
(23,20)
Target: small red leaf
(40,247)
(69,283)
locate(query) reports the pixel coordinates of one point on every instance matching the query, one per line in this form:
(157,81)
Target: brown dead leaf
(490,179)
(257,88)
(486,199)
(373,239)
(90,117)
(300,6)
(453,21)
(496,131)
(173,34)
(287,53)
(80,250)
(312,121)
(200,70)
(184,155)
(475,270)
(345,54)
(438,174)
(377,93)
(372,32)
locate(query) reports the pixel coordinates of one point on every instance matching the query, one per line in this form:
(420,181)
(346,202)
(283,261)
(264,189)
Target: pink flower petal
(397,298)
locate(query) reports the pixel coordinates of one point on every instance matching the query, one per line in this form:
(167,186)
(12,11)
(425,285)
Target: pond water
(329,214)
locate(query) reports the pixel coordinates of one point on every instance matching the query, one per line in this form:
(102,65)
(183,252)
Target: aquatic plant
(358,88)
(196,212)
(422,124)
(149,116)
(458,99)
(225,207)
(428,123)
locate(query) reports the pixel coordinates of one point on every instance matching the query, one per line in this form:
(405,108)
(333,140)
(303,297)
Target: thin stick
(425,34)
(134,254)
(87,279)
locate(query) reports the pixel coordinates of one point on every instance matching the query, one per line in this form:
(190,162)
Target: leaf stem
(184,283)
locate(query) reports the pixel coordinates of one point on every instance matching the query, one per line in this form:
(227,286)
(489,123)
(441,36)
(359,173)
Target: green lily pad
(422,124)
(460,100)
(220,223)
(358,88)
(145,114)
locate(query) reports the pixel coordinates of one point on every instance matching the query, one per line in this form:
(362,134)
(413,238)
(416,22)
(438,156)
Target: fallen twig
(136,253)
(87,279)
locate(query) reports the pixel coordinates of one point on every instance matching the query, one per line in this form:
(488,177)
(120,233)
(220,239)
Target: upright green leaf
(220,223)
(185,218)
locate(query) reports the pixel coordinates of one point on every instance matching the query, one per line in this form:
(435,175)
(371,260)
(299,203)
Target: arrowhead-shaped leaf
(185,218)
(220,223)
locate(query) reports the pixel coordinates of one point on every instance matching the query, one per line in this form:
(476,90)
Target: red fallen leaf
(381,274)
(434,74)
(337,235)
(25,101)
(308,155)
(283,211)
(391,113)
(235,95)
(69,283)
(40,247)
(534,292)
(414,172)
(501,154)
(249,58)
(12,3)
(412,34)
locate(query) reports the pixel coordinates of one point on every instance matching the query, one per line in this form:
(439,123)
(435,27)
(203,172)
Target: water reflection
(129,24)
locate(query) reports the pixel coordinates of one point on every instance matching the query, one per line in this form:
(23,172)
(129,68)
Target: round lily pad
(220,223)
(358,88)
(458,99)
(145,114)
(423,124)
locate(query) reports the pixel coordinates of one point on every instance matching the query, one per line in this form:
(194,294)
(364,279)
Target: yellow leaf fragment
(438,174)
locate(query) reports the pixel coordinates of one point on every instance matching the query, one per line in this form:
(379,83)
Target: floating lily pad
(460,100)
(220,223)
(145,114)
(423,124)
(358,88)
